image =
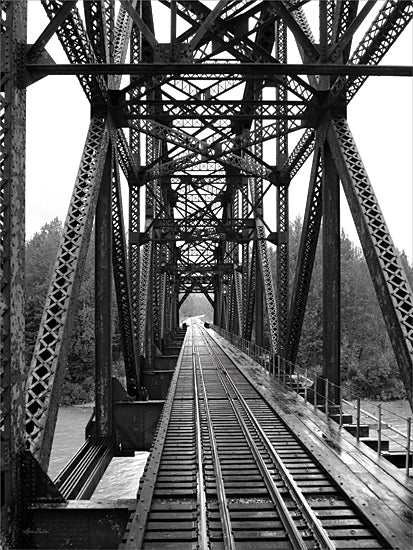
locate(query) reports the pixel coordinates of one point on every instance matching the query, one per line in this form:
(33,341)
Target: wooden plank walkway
(379,489)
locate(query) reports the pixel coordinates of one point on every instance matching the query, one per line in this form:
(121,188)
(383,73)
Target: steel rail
(322,537)
(313,522)
(227,534)
(202,518)
(290,527)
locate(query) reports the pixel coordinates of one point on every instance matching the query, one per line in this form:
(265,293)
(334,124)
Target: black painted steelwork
(188,132)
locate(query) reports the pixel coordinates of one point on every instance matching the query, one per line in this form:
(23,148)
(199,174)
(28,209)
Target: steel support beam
(186,70)
(282,275)
(389,279)
(103,303)
(259,307)
(122,285)
(306,257)
(50,353)
(331,271)
(12,228)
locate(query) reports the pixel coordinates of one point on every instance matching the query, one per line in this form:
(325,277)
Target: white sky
(380,117)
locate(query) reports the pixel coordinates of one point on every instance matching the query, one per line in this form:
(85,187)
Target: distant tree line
(369,367)
(196,304)
(41,251)
(368,364)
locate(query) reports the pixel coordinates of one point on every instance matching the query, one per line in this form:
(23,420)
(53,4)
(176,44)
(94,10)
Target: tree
(368,364)
(196,304)
(41,251)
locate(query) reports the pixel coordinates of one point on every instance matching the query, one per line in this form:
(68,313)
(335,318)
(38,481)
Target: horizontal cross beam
(266,70)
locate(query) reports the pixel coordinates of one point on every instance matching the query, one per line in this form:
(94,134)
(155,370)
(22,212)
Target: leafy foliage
(369,368)
(196,304)
(41,251)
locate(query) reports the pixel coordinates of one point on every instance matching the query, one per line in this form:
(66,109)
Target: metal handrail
(281,368)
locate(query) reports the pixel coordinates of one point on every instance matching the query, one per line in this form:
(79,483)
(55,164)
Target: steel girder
(103,302)
(131,173)
(391,20)
(389,279)
(100,34)
(282,201)
(266,272)
(78,48)
(194,130)
(305,260)
(50,354)
(122,284)
(12,227)
(387,26)
(49,357)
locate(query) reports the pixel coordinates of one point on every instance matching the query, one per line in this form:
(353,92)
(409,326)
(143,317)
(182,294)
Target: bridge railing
(327,397)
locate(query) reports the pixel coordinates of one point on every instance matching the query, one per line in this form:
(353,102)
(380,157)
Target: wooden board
(376,487)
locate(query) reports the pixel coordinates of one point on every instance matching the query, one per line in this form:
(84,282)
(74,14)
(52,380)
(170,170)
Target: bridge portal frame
(96,46)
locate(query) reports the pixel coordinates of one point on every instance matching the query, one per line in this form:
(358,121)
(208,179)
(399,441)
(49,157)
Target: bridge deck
(239,463)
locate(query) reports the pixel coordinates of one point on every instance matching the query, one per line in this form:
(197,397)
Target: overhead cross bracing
(214,120)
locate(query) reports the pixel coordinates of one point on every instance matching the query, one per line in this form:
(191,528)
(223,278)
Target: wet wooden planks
(377,488)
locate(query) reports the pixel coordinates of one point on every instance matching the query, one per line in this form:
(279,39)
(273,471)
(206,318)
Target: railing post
(298,381)
(305,387)
(315,391)
(341,406)
(379,432)
(409,430)
(279,367)
(326,396)
(358,419)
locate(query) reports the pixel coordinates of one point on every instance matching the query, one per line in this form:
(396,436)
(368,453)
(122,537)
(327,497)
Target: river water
(121,479)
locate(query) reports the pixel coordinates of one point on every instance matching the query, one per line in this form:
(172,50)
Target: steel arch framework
(187,132)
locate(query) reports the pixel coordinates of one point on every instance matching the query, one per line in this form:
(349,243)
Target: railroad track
(226,473)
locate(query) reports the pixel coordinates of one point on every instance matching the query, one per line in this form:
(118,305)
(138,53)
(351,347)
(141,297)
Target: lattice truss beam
(201,150)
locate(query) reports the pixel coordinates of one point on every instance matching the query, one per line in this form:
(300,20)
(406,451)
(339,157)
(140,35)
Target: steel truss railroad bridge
(236,462)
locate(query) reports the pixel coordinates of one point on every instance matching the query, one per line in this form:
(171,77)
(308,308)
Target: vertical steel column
(259,213)
(331,270)
(134,203)
(149,251)
(103,303)
(306,257)
(259,306)
(282,199)
(250,304)
(122,285)
(216,300)
(245,255)
(12,226)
